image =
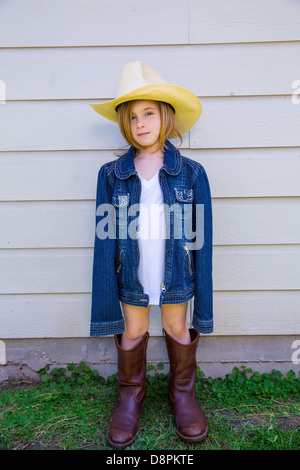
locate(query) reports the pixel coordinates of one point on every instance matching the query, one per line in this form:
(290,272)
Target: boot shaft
(132,364)
(183,363)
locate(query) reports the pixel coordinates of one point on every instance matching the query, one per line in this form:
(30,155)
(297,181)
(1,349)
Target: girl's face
(145,124)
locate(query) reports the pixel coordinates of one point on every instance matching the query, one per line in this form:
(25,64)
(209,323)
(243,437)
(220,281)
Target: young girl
(150,259)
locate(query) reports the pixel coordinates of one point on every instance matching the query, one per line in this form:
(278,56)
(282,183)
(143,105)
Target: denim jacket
(188,248)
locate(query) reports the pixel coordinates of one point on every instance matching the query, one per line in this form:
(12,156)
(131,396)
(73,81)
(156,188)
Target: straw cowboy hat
(139,81)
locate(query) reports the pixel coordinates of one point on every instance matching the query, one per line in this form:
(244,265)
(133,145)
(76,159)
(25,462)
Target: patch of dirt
(267,419)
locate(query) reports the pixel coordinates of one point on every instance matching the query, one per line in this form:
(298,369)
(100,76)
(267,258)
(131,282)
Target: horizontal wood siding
(242,59)
(73,73)
(115,22)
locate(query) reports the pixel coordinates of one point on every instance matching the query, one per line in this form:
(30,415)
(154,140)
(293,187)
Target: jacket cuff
(107,328)
(203,326)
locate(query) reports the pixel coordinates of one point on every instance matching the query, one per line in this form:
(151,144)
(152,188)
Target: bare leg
(174,320)
(136,324)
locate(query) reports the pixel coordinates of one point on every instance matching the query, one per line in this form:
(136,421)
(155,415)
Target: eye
(149,113)
(132,118)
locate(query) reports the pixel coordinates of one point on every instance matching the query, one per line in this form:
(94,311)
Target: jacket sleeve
(106,312)
(203,301)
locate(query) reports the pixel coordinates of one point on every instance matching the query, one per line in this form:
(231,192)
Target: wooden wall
(241,58)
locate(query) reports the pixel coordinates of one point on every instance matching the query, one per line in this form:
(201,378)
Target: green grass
(70,410)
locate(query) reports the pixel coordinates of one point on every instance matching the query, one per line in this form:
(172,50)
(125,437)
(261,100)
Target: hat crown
(136,75)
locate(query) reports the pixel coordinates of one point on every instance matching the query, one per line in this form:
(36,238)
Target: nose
(140,123)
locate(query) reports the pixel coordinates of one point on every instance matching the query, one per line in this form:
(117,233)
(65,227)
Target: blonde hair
(167,128)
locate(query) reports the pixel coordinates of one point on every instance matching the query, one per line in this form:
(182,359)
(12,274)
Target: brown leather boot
(132,392)
(190,420)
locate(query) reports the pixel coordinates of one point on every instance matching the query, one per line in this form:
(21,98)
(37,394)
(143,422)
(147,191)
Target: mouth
(143,134)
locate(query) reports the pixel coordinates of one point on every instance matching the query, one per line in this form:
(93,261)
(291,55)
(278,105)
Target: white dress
(151,238)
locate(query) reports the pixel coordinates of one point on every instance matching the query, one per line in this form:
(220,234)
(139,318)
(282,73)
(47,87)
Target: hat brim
(187,106)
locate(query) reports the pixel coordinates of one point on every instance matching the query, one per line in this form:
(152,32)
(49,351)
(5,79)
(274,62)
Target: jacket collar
(172,162)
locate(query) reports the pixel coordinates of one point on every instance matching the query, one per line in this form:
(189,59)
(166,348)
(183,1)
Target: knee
(135,332)
(177,330)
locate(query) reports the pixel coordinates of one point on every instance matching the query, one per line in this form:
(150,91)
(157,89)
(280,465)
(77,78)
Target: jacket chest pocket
(183,202)
(120,201)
